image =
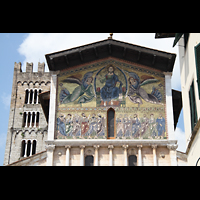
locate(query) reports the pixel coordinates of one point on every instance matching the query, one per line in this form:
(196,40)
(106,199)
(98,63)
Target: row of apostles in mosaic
(136,95)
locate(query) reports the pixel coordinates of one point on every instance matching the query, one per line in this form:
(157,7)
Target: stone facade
(23,81)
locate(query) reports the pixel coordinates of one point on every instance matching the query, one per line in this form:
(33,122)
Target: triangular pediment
(102,49)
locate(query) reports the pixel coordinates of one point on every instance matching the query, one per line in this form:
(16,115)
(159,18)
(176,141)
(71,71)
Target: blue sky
(31,47)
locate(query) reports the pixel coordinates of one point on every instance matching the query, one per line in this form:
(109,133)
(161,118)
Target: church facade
(109,103)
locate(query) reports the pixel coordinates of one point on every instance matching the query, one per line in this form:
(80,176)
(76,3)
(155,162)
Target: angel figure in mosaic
(135,88)
(84,91)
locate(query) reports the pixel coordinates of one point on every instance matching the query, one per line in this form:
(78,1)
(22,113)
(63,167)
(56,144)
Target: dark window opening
(24,119)
(37,119)
(23,148)
(33,118)
(29,119)
(35,96)
(132,160)
(34,147)
(31,96)
(28,148)
(111,123)
(26,97)
(89,161)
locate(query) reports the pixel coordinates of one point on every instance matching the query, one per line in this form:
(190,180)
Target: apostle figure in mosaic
(61,125)
(127,126)
(92,126)
(100,125)
(161,125)
(152,126)
(84,124)
(69,125)
(120,126)
(136,126)
(144,125)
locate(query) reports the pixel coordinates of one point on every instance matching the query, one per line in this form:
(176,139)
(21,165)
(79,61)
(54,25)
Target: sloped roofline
(153,58)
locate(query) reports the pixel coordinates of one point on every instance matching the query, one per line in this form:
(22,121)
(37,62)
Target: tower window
(28,148)
(23,148)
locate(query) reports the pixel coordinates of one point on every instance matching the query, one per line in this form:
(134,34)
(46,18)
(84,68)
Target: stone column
(96,160)
(33,96)
(31,115)
(169,106)
(31,147)
(82,147)
(37,96)
(50,150)
(67,147)
(154,155)
(110,147)
(139,155)
(52,108)
(125,147)
(35,119)
(172,149)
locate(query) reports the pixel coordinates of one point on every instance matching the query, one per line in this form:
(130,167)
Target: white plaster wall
(188,74)
(194,152)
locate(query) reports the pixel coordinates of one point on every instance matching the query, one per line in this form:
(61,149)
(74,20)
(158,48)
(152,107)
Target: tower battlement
(29,67)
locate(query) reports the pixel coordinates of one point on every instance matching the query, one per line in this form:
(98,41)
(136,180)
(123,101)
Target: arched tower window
(23,148)
(111,123)
(34,147)
(26,96)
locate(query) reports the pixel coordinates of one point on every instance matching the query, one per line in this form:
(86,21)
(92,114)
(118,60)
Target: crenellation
(29,67)
(41,68)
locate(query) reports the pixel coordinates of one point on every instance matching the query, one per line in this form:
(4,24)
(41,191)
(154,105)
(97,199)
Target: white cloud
(180,136)
(36,45)
(5,98)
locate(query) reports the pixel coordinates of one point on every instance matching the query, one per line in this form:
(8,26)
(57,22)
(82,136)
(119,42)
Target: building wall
(16,132)
(188,74)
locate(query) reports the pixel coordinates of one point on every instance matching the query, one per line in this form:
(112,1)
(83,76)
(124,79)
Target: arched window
(37,119)
(132,160)
(29,119)
(28,148)
(33,119)
(111,123)
(38,94)
(35,96)
(26,96)
(31,96)
(34,147)
(89,161)
(24,120)
(23,148)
